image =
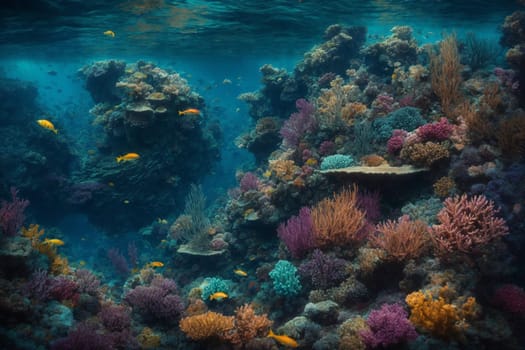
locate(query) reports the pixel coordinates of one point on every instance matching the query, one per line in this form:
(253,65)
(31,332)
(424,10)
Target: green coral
(285,279)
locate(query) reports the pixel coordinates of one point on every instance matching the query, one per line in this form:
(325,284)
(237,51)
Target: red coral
(466,224)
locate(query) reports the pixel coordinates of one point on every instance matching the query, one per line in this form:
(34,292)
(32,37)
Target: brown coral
(425,154)
(511,137)
(444,186)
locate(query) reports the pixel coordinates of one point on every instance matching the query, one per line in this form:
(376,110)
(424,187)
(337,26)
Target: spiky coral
(466,224)
(402,239)
(248,325)
(338,220)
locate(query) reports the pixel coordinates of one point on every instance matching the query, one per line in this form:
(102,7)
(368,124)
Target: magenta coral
(12,214)
(249,182)
(395,143)
(297,233)
(439,131)
(299,123)
(510,298)
(465,224)
(388,326)
(115,318)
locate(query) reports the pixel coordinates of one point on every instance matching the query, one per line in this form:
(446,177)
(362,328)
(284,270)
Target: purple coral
(324,271)
(297,233)
(87,281)
(157,300)
(115,318)
(64,288)
(298,124)
(118,261)
(388,326)
(439,131)
(12,214)
(84,337)
(39,285)
(249,182)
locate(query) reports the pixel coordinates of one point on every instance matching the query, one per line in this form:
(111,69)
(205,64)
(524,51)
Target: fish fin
(181,113)
(55,131)
(271,333)
(118,159)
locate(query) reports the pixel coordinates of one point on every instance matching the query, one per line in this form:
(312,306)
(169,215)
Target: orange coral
(445,70)
(207,325)
(372,160)
(248,325)
(403,239)
(439,317)
(337,220)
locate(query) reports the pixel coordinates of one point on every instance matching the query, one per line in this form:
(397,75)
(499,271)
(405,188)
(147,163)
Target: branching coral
(338,221)
(466,224)
(402,239)
(248,325)
(445,71)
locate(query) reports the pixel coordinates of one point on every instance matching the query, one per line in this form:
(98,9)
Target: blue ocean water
(220,175)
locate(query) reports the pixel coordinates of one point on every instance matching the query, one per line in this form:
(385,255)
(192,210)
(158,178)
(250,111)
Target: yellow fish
(162,221)
(53,241)
(155,264)
(46,124)
(190,111)
(82,263)
(109,33)
(111,184)
(218,296)
(240,272)
(283,340)
(126,201)
(127,157)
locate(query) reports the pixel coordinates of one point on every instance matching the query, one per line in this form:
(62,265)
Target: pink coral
(510,298)
(465,224)
(439,131)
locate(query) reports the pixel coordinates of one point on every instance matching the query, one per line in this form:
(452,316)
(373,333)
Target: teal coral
(213,285)
(337,161)
(285,279)
(406,118)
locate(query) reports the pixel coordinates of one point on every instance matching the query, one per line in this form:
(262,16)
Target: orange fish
(46,124)
(190,111)
(127,157)
(283,339)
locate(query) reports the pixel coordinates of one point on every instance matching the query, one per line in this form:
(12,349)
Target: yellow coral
(60,266)
(147,339)
(425,154)
(33,232)
(439,317)
(209,324)
(349,334)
